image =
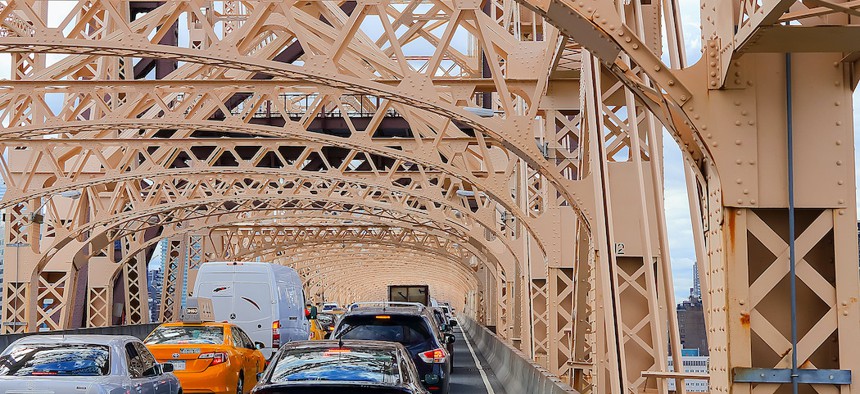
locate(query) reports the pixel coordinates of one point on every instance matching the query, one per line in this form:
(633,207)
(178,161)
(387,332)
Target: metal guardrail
(140,331)
(514,370)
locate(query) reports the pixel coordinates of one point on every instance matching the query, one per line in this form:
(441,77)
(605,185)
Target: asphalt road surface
(466,377)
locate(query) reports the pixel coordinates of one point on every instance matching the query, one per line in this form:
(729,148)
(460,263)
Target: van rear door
(219,287)
(252,305)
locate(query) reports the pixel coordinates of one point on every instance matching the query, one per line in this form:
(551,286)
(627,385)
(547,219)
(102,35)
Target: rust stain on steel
(731,226)
(745,319)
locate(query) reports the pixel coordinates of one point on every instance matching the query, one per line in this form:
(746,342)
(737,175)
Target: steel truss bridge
(506,152)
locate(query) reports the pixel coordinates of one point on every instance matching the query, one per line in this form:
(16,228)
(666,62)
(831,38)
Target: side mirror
(165,368)
(431,379)
(259,345)
(449,339)
(259,376)
(454,323)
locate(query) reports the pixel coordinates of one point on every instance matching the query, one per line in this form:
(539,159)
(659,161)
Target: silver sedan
(85,364)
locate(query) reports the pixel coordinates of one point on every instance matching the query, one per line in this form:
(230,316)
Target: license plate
(189,350)
(178,365)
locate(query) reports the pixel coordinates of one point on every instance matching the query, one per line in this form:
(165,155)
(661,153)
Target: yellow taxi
(317,331)
(207,357)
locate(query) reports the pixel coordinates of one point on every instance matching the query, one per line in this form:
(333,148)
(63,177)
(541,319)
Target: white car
(86,364)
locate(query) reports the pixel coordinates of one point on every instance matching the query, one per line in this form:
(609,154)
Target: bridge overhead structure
(507,153)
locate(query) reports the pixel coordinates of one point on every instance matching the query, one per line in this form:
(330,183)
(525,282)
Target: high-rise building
(696,291)
(691,319)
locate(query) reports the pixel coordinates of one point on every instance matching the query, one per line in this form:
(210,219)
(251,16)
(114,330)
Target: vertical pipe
(791,229)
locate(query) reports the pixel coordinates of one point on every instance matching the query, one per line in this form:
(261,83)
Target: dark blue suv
(411,325)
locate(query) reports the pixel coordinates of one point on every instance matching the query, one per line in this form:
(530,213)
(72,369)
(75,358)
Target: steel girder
(750,206)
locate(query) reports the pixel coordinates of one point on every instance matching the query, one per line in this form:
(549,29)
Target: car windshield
(408,330)
(186,335)
(56,360)
(338,365)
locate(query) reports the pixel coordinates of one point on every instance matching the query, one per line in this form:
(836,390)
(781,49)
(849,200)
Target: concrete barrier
(140,331)
(517,373)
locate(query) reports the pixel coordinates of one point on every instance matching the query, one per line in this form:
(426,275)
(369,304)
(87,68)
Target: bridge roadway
(466,377)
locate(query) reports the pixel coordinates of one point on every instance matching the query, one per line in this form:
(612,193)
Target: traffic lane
(466,377)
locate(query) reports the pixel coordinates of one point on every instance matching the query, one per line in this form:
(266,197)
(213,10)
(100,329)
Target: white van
(265,300)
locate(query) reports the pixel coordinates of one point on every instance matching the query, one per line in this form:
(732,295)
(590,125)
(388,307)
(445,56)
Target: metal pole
(791,229)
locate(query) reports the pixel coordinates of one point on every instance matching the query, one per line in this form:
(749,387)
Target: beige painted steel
(544,220)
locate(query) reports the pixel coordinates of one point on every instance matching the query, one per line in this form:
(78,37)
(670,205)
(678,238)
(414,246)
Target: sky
(676,202)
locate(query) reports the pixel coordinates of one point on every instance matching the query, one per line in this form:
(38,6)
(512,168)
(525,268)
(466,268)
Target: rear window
(337,365)
(408,330)
(185,335)
(326,319)
(56,360)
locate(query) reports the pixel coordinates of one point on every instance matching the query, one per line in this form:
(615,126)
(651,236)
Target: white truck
(265,300)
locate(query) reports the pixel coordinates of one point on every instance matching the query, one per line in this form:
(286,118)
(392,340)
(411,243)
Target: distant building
(155,280)
(691,319)
(692,364)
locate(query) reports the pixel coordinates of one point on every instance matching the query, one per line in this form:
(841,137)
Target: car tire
(240,385)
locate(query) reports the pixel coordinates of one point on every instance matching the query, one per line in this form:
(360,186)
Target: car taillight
(276,334)
(436,356)
(217,358)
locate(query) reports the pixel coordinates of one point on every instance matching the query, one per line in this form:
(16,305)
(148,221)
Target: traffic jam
(248,329)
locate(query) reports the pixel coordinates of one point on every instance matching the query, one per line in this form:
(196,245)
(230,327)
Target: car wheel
(240,385)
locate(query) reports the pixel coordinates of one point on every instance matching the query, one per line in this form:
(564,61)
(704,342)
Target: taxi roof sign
(197,310)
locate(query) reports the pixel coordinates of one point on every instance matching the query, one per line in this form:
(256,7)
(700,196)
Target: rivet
(737,123)
(838,142)
(838,162)
(844,303)
(841,201)
(657,68)
(740,201)
(839,123)
(744,112)
(628,39)
(713,83)
(713,73)
(671,83)
(714,143)
(752,202)
(737,81)
(839,182)
(836,103)
(738,161)
(737,142)
(752,122)
(709,135)
(739,181)
(746,191)
(635,46)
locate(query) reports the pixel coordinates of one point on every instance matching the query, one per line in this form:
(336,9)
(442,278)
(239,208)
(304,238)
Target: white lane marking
(477,363)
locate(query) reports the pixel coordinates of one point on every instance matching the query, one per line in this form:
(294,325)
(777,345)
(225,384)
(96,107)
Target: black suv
(333,367)
(413,326)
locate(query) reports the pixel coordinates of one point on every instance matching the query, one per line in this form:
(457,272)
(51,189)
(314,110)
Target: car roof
(355,344)
(391,310)
(76,339)
(205,324)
